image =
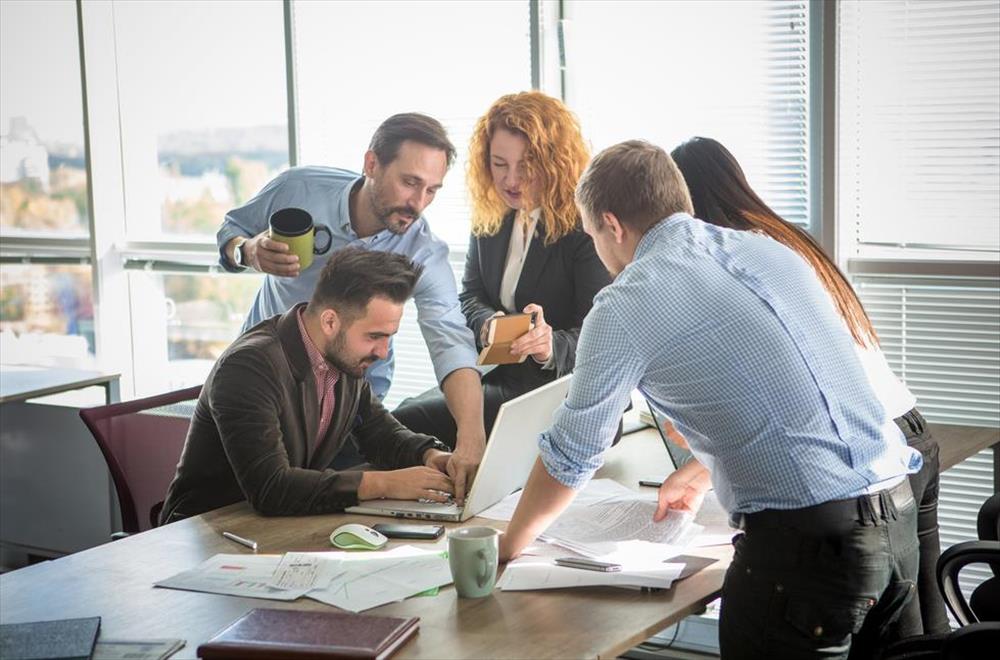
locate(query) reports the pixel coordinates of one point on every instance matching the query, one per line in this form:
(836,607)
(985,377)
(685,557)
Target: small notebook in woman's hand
(503,330)
(295,634)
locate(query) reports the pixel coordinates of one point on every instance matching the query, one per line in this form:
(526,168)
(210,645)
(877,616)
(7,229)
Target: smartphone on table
(398,531)
(588,564)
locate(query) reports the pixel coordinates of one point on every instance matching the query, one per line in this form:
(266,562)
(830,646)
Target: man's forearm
(463,392)
(542,501)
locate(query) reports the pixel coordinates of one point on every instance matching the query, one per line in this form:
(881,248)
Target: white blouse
(520,240)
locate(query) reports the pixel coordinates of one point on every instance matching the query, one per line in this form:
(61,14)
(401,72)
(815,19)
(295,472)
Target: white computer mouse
(355,536)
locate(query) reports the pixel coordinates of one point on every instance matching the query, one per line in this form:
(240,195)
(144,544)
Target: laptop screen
(678,455)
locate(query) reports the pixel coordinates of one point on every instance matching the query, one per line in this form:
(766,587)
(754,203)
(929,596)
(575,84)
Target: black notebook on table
(64,639)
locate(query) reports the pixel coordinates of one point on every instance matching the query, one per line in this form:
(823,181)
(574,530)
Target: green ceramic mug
(472,555)
(295,228)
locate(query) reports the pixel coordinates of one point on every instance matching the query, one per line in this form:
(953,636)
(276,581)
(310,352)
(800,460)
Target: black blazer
(563,278)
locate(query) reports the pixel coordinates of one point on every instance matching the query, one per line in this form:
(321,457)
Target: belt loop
(865,513)
(889,511)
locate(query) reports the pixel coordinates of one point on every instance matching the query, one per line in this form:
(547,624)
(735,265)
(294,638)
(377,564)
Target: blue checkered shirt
(734,338)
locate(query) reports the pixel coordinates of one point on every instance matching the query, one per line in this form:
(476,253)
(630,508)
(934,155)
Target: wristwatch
(239,259)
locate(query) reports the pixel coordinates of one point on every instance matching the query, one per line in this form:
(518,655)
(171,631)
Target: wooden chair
(141,441)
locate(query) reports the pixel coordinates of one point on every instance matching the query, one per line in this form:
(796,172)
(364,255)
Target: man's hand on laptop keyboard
(414,483)
(464,462)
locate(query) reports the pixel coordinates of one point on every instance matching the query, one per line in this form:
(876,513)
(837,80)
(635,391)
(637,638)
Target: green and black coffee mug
(295,228)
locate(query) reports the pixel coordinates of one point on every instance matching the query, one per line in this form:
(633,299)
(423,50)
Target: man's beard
(335,355)
(384,214)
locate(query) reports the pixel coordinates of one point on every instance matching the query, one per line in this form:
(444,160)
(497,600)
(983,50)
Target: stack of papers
(536,569)
(612,527)
(609,522)
(351,581)
(524,577)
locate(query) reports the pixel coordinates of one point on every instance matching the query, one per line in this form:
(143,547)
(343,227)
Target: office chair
(141,441)
(979,617)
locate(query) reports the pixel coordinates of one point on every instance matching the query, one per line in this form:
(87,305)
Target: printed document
(352,581)
(621,520)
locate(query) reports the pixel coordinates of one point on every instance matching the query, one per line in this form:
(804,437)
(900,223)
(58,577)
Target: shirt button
(779,588)
(818,630)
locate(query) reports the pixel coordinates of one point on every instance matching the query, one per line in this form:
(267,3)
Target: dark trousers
(926,612)
(825,581)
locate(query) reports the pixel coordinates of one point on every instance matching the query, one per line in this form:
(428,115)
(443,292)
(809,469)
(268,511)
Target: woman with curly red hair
(528,252)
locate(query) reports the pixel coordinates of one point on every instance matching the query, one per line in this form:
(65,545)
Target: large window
(46,309)
(918,149)
(181,323)
(203,110)
(46,315)
(666,71)
(203,120)
(357,63)
(43,178)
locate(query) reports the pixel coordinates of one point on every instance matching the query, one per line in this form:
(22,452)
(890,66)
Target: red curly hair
(554,160)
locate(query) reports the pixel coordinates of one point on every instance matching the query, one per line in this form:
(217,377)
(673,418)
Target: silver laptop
(510,455)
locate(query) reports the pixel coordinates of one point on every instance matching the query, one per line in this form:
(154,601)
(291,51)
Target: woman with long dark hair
(722,196)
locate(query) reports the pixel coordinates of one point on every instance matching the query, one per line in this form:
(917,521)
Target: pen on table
(242,541)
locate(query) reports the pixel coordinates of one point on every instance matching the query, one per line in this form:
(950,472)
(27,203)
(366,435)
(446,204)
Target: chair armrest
(951,562)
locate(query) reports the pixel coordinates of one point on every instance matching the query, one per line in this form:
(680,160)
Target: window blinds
(919,179)
(736,71)
(919,123)
(941,336)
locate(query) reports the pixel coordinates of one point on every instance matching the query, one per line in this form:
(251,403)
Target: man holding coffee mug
(381,211)
(287,394)
(733,337)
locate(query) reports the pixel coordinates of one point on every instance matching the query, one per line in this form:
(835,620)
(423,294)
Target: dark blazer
(251,437)
(563,278)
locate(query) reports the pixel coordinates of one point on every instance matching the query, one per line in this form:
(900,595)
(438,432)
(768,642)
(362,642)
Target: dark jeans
(925,613)
(826,581)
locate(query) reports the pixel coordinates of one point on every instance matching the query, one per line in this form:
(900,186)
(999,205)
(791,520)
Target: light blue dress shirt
(734,338)
(324,192)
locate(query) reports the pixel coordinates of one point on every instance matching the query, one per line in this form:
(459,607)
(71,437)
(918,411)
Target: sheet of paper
(376,580)
(234,575)
(353,581)
(622,520)
(522,576)
(305,570)
(596,491)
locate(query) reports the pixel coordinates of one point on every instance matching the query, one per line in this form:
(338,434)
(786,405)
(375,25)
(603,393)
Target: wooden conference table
(115,581)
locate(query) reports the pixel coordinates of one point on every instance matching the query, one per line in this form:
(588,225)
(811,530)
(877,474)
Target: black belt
(864,509)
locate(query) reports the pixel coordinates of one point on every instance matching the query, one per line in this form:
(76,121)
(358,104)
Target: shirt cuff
(457,357)
(561,467)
